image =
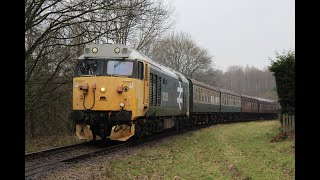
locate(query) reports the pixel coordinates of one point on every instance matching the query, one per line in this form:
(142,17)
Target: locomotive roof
(120,51)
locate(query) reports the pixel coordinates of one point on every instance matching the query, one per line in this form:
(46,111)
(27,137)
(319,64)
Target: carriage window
(119,68)
(227,100)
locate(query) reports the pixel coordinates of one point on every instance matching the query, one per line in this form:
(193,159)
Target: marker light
(117,50)
(122,104)
(103,89)
(120,89)
(94,50)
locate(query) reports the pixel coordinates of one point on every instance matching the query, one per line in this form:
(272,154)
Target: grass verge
(229,151)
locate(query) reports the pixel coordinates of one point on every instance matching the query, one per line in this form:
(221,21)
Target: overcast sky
(238,32)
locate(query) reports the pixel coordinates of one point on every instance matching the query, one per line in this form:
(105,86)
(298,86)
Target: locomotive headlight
(116,50)
(94,50)
(122,104)
(103,90)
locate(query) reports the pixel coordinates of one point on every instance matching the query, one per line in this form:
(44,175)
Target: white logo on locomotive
(165,96)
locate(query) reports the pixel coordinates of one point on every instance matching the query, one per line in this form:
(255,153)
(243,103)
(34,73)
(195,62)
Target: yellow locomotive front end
(110,91)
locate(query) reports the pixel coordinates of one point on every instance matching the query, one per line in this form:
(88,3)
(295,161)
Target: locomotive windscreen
(123,68)
(89,67)
(95,67)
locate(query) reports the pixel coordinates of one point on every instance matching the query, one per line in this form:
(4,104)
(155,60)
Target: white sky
(238,32)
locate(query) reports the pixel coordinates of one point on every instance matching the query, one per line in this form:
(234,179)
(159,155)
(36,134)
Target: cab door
(146,85)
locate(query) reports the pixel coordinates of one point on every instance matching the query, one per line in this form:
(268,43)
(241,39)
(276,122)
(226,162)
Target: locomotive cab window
(119,67)
(89,67)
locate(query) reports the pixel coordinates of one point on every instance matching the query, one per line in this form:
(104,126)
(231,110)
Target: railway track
(45,160)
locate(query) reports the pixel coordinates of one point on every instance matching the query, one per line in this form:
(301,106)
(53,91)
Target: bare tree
(234,78)
(156,22)
(249,80)
(55,32)
(47,27)
(127,19)
(140,26)
(71,23)
(181,53)
(209,76)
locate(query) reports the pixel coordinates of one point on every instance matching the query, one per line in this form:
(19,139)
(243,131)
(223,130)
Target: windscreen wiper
(117,64)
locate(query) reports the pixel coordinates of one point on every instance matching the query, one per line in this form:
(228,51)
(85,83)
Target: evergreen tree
(283,69)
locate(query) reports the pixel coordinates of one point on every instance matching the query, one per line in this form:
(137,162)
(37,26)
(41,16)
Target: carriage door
(146,85)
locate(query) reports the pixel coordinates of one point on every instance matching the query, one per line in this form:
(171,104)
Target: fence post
(287,122)
(293,121)
(281,120)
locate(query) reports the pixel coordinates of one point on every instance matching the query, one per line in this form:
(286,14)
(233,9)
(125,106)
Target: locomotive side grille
(150,90)
(154,89)
(159,91)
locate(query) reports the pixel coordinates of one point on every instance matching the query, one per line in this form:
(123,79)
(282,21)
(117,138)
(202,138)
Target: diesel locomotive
(119,92)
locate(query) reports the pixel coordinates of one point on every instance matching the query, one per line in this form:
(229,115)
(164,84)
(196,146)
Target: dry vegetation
(43,143)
